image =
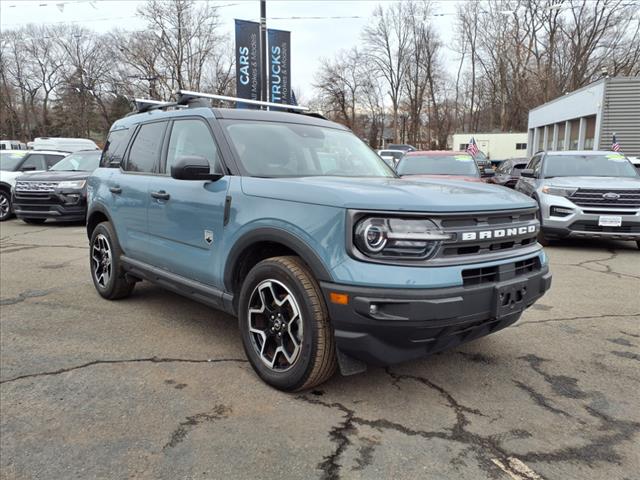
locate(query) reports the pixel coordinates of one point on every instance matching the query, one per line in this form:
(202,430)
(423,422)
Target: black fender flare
(276,235)
(97,208)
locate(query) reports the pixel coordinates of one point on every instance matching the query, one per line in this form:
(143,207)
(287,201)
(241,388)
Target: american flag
(472,148)
(615,146)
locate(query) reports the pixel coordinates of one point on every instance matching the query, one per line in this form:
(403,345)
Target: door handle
(161,195)
(115,190)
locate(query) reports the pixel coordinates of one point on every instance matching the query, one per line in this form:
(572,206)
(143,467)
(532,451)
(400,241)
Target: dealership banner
(248,66)
(279,56)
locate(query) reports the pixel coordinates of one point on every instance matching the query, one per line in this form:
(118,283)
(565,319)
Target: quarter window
(115,147)
(192,138)
(146,148)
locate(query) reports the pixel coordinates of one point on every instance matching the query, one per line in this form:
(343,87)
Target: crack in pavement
(22,296)
(179,434)
(540,399)
(568,319)
(18,247)
(481,445)
(629,355)
(131,360)
(608,270)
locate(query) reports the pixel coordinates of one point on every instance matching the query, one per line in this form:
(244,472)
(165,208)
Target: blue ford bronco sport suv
(294,225)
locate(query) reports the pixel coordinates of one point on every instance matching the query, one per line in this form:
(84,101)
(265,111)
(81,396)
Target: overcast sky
(311,39)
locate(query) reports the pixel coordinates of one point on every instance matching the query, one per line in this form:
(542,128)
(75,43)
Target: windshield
(603,165)
(438,165)
(81,161)
(269,149)
(10,160)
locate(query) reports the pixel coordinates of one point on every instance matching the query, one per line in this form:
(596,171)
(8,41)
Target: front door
(186,217)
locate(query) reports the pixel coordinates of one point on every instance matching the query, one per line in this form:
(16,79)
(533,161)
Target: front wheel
(285,327)
(106,271)
(5,205)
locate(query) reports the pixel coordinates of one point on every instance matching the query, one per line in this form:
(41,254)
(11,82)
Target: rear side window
(145,151)
(115,147)
(192,138)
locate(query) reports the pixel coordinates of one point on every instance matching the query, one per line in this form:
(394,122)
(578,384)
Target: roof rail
(144,104)
(185,96)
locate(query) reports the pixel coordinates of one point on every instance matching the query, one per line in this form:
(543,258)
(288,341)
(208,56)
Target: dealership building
(586,119)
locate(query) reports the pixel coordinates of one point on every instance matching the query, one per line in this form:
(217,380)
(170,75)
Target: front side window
(80,161)
(53,159)
(146,148)
(35,161)
(606,165)
(191,138)
(269,149)
(438,165)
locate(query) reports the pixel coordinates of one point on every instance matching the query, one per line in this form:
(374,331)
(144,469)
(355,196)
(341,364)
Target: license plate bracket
(510,298)
(609,221)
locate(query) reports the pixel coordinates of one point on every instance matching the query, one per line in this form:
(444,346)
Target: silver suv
(584,194)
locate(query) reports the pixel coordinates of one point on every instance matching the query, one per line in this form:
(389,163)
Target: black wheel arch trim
(5,186)
(97,208)
(276,235)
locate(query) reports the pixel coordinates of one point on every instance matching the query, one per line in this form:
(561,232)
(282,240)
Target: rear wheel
(285,327)
(5,205)
(34,221)
(106,270)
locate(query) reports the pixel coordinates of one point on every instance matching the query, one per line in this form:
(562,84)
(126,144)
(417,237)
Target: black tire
(638,244)
(315,361)
(116,285)
(5,205)
(542,239)
(34,221)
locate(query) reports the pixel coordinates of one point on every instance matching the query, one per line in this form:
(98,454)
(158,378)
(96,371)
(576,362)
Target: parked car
(12,145)
(64,144)
(442,164)
(594,194)
(324,265)
(14,163)
(59,193)
(405,147)
(508,173)
(391,157)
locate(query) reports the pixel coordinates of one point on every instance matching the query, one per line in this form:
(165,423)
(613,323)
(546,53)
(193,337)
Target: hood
(466,178)
(9,177)
(54,176)
(394,194)
(594,182)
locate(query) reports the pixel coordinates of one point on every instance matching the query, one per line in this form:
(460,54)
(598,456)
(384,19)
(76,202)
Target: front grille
(493,233)
(479,276)
(35,187)
(592,226)
(606,198)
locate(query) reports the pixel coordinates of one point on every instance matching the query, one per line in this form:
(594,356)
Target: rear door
(129,189)
(186,217)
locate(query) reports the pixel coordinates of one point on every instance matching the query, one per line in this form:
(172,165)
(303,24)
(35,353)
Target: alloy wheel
(275,325)
(4,205)
(101,259)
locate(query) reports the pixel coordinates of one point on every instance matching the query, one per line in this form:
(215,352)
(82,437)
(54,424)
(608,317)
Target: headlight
(397,238)
(73,184)
(559,191)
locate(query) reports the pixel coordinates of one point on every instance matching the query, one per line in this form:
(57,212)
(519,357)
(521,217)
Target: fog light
(561,211)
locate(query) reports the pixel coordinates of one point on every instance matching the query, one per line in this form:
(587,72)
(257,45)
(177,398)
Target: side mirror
(527,173)
(28,168)
(193,168)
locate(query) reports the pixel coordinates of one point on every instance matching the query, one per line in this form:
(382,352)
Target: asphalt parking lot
(157,387)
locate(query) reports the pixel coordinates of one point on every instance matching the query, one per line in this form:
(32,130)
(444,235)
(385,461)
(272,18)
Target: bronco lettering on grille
(501,233)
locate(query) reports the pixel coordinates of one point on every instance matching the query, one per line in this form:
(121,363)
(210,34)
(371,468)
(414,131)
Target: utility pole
(263,51)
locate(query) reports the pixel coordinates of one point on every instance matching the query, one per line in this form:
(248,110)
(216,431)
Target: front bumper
(64,206)
(385,326)
(583,222)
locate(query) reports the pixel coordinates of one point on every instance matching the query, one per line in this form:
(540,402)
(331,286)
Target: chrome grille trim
(595,198)
(35,187)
